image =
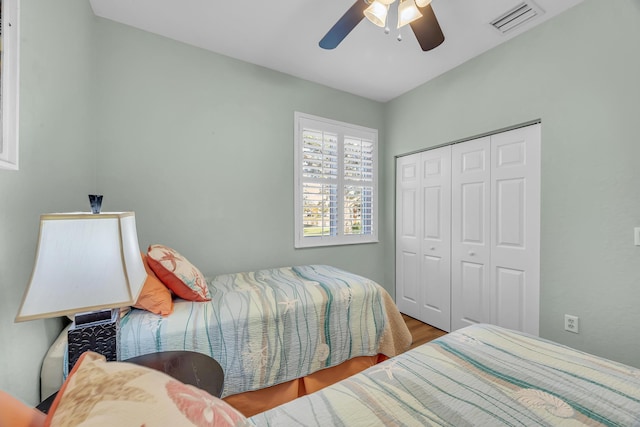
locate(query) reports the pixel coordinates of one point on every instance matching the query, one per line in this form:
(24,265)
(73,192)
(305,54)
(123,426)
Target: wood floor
(421,332)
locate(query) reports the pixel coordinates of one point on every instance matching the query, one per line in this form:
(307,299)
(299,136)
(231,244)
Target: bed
(277,333)
(480,375)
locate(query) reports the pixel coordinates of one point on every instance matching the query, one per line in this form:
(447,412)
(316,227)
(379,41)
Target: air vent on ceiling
(517,17)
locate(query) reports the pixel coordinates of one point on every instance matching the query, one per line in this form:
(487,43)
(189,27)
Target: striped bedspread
(478,376)
(275,325)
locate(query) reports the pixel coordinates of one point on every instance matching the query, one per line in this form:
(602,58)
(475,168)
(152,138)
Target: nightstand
(188,367)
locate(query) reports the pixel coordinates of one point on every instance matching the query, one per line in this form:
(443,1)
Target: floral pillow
(178,274)
(123,394)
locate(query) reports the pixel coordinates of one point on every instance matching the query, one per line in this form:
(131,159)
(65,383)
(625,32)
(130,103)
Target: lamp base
(95,331)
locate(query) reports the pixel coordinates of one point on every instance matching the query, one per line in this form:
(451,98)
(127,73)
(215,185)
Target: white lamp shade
(422,3)
(407,12)
(84,262)
(377,13)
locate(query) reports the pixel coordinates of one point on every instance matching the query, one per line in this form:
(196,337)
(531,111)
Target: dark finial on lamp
(96,202)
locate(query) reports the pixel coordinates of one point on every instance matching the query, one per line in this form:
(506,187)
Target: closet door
(515,233)
(470,233)
(408,224)
(435,260)
(423,236)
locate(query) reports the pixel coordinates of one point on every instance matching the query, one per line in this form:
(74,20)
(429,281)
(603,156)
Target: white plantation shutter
(319,207)
(358,189)
(319,182)
(320,154)
(336,182)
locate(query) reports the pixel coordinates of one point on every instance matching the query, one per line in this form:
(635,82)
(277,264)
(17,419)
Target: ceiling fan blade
(348,22)
(427,29)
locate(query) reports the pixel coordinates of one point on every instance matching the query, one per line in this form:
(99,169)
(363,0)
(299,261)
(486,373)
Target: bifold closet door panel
(408,230)
(515,233)
(435,268)
(423,236)
(470,233)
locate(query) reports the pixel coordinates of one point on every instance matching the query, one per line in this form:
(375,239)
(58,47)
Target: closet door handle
(433,248)
(471,253)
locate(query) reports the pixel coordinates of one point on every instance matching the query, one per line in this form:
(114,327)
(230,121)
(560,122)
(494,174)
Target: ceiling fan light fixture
(422,3)
(377,13)
(385,2)
(407,12)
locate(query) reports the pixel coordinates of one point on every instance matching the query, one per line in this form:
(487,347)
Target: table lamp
(87,265)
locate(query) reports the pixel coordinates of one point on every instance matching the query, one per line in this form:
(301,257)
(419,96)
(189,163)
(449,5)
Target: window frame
(10,82)
(341,129)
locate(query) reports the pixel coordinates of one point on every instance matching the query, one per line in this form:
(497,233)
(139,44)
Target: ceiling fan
(417,13)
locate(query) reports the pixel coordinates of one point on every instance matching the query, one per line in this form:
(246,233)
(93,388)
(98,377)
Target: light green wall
(579,73)
(57,170)
(201,147)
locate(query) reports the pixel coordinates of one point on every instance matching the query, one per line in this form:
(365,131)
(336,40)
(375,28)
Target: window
(336,182)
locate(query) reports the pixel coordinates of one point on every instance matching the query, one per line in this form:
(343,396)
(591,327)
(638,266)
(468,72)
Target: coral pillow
(104,393)
(178,274)
(155,296)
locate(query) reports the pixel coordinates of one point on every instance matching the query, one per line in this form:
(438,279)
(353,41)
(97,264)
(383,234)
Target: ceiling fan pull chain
(399,35)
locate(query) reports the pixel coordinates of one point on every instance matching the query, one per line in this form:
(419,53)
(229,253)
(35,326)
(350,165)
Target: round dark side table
(188,367)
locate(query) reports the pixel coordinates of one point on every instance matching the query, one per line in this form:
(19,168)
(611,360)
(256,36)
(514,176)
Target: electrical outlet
(571,323)
(636,236)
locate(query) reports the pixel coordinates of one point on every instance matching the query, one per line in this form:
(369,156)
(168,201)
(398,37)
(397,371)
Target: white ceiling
(283,35)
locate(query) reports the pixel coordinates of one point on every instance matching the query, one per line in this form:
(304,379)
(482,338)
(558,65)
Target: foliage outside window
(335,182)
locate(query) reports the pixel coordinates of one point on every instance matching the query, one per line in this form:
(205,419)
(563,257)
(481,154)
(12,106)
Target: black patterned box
(96,331)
